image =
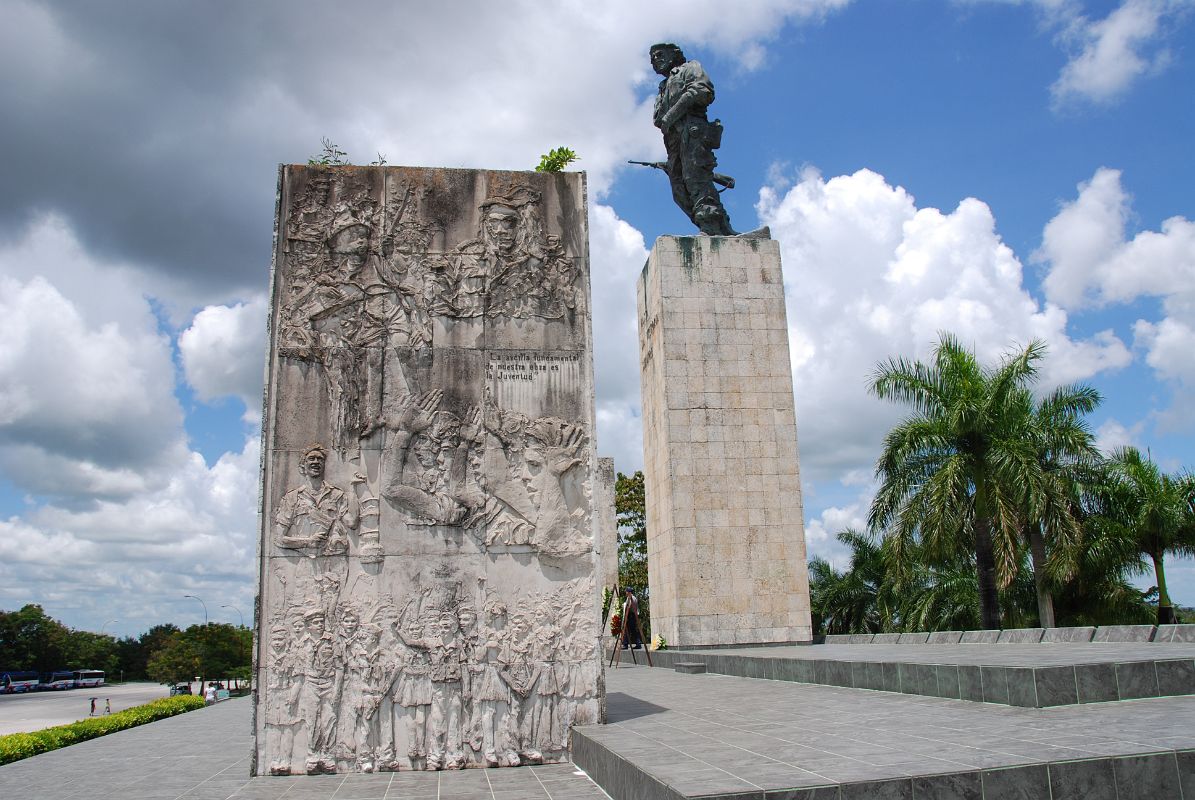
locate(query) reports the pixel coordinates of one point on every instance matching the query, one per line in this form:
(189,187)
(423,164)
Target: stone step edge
(1035,687)
(1153,774)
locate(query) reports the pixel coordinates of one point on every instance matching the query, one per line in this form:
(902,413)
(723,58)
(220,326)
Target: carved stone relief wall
(428,596)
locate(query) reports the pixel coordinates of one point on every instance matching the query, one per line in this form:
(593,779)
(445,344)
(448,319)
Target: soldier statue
(690,139)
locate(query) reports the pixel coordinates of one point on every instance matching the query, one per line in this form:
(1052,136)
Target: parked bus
(14,681)
(57,680)
(88,678)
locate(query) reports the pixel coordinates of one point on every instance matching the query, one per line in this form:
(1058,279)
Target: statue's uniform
(690,140)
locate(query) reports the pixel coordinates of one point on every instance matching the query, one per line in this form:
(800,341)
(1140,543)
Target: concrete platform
(1029,675)
(675,736)
(204,755)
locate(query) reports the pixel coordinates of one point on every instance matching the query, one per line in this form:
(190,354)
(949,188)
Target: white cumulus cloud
(1093,261)
(869,275)
(1115,51)
(223,352)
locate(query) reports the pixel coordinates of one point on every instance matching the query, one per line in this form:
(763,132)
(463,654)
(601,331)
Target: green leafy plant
(556,160)
(16,746)
(332,156)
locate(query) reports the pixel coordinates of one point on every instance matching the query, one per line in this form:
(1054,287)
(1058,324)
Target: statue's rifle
(717,177)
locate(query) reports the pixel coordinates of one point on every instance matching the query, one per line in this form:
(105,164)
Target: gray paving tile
(1056,686)
(995,684)
(1017,783)
(958,786)
(1175,677)
(1083,780)
(1096,683)
(1147,777)
(1136,680)
(878,790)
(1022,689)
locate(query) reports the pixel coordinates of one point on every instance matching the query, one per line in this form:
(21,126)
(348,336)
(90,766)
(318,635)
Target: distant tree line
(31,640)
(996,509)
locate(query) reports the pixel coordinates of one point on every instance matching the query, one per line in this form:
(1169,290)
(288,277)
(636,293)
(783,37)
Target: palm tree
(1067,458)
(944,596)
(1140,503)
(853,601)
(957,472)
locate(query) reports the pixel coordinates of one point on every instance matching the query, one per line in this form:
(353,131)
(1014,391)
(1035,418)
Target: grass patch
(16,746)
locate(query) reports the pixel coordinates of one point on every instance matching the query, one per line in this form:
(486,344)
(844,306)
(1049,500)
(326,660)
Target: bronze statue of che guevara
(690,139)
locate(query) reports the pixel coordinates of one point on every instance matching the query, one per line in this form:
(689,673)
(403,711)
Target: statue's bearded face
(662,59)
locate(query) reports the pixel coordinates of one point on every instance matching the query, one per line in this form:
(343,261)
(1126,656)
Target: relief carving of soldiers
(315,518)
(320,693)
(445,750)
(282,693)
(513,269)
(376,658)
(486,697)
(427,459)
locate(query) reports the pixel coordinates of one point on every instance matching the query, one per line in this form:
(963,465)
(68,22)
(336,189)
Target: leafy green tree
(177,660)
(1139,504)
(87,650)
(29,639)
(958,470)
(136,655)
(631,511)
(222,647)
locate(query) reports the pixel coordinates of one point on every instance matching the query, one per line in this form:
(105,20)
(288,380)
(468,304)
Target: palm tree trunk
(1045,601)
(985,563)
(1165,609)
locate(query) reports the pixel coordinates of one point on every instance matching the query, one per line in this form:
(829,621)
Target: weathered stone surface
(428,592)
(1123,633)
(607,521)
(1175,633)
(690,667)
(1020,636)
(1059,635)
(726,541)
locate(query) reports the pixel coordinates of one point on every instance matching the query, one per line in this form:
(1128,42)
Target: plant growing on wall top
(556,160)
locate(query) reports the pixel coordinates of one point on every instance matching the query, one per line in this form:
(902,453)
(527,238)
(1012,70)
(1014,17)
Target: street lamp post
(195,597)
(106,624)
(239,614)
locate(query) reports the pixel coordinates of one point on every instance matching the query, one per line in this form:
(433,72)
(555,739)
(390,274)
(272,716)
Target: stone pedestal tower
(726,537)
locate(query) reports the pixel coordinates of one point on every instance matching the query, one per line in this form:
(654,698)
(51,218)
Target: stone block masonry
(726,541)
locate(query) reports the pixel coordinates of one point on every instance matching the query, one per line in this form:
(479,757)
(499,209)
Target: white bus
(15,681)
(88,678)
(55,681)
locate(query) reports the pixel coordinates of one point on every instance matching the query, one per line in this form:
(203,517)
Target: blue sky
(1001,169)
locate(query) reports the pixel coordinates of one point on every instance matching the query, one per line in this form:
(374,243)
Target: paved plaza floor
(204,755)
(673,735)
(33,711)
